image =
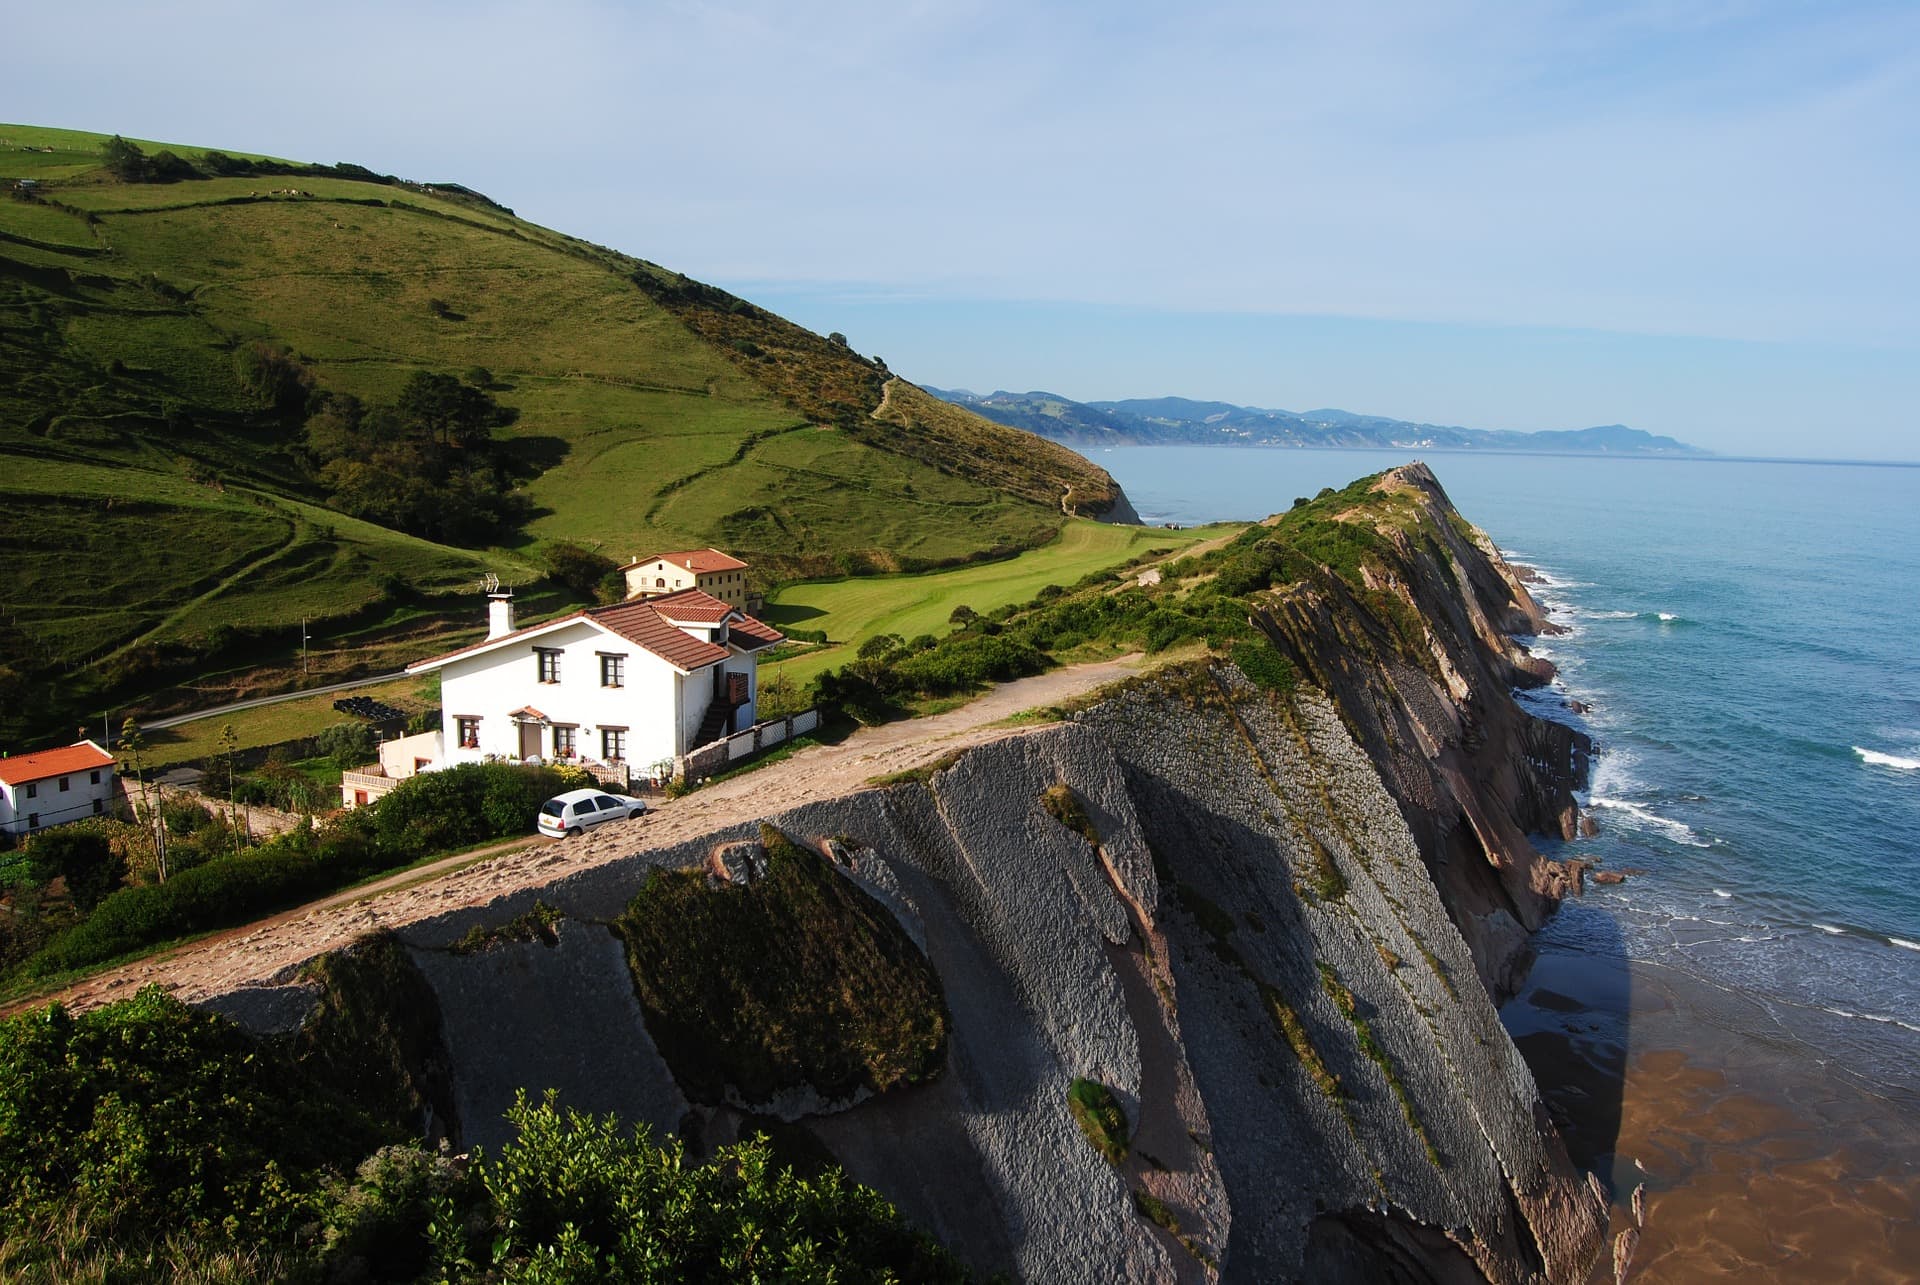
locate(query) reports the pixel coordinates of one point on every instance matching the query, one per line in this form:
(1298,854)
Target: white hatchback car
(579,810)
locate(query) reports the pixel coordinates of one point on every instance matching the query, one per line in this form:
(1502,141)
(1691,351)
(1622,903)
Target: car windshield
(550,808)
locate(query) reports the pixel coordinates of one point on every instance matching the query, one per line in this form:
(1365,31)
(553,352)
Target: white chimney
(499,615)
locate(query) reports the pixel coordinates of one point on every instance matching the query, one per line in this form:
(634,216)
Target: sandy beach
(1759,1161)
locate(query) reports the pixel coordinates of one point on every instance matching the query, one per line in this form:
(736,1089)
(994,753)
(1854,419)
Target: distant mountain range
(1160,421)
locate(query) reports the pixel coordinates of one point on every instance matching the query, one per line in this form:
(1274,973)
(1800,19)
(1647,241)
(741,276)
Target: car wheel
(636,814)
(573,832)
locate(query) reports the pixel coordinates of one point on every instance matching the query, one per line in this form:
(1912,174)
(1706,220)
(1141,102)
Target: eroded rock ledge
(1259,918)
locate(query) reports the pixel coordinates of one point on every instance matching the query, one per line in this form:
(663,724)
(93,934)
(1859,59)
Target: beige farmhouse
(708,570)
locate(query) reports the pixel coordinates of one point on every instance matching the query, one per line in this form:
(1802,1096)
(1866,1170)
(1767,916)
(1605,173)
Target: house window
(659,582)
(548,660)
(613,744)
(98,807)
(468,730)
(613,670)
(33,790)
(563,742)
(96,776)
(33,820)
(63,785)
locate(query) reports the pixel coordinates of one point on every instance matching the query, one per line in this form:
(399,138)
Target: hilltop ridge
(1162,421)
(208,366)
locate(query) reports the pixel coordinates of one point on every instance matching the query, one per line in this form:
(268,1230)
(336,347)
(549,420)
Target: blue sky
(1695,218)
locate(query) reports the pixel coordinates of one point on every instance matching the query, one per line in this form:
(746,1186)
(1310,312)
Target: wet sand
(1760,1160)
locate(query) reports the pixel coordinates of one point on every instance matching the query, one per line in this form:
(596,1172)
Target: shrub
(434,811)
(349,745)
(1064,806)
(1263,663)
(579,569)
(1099,1116)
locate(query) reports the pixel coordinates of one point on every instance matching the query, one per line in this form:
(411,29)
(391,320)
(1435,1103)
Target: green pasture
(279,723)
(854,610)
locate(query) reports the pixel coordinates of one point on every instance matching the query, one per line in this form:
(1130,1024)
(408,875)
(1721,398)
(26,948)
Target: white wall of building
(35,805)
(406,755)
(492,684)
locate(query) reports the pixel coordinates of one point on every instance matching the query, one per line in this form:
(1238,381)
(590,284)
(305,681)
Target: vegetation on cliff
(429,813)
(1210,598)
(793,979)
(146,1142)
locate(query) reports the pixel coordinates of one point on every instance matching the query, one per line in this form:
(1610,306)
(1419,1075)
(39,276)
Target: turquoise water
(1748,636)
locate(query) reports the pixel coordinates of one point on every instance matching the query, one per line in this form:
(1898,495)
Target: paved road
(258,701)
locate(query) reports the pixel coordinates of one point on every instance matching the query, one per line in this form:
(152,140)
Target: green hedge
(432,812)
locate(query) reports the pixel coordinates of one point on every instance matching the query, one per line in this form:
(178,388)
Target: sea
(1746,637)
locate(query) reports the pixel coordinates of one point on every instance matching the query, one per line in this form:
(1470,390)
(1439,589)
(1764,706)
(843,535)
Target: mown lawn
(277,724)
(854,610)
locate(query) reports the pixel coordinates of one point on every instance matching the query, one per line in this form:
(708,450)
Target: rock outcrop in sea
(1267,922)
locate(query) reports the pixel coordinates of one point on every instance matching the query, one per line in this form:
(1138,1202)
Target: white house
(52,786)
(639,682)
(712,572)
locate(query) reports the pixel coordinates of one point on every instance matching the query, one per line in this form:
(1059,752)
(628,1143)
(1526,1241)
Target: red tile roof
(761,633)
(645,623)
(84,757)
(691,605)
(640,624)
(698,561)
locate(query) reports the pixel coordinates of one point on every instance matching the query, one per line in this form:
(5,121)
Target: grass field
(150,501)
(279,723)
(856,609)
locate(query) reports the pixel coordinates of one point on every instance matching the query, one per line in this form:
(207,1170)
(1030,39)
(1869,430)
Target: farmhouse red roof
(21,768)
(697,561)
(643,623)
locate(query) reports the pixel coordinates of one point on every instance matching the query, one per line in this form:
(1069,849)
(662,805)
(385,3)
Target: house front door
(529,740)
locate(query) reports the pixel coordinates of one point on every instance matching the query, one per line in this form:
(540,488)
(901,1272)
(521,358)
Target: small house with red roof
(639,682)
(52,786)
(719,575)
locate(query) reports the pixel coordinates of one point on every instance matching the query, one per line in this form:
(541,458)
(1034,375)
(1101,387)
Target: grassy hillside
(164,512)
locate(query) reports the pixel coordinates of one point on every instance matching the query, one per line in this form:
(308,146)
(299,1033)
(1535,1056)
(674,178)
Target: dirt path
(271,948)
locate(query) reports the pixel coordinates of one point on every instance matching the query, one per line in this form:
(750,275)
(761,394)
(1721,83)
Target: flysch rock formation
(1264,957)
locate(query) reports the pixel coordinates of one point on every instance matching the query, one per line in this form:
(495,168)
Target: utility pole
(303,644)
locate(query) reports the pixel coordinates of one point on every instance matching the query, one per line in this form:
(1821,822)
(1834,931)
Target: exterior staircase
(715,725)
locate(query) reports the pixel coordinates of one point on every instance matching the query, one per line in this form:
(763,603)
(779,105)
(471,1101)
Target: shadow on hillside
(535,453)
(782,613)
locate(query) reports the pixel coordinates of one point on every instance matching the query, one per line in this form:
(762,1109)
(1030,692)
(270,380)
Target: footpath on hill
(268,948)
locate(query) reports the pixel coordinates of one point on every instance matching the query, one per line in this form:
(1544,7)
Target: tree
(578,568)
(229,743)
(450,413)
(480,377)
(82,857)
(962,616)
(125,161)
(133,748)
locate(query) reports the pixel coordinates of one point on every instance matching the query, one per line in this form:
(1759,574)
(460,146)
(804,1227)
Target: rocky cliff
(1421,661)
(1254,915)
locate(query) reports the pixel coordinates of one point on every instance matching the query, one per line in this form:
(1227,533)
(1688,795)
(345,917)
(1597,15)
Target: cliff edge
(1180,988)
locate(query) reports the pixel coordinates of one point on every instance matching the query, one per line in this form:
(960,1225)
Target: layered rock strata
(1260,919)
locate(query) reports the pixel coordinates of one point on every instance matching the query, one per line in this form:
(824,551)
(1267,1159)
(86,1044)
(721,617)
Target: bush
(434,811)
(349,745)
(82,857)
(580,570)
(1099,1116)
(145,1117)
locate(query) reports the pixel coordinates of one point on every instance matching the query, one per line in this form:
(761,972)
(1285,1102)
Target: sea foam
(1678,831)
(1878,759)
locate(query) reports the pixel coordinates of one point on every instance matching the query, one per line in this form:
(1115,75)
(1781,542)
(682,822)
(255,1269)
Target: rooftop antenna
(491,583)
